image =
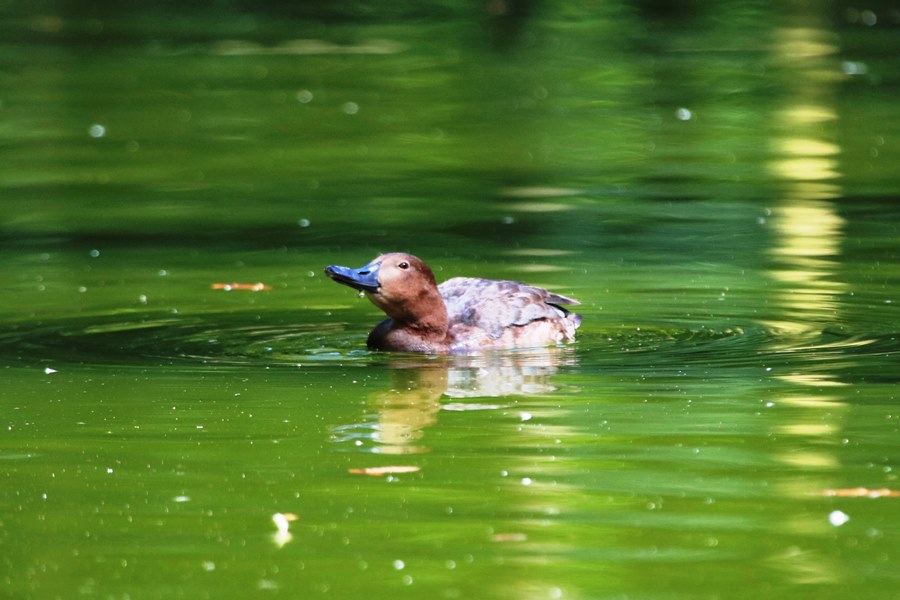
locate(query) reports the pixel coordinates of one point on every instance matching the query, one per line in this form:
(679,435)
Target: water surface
(718,188)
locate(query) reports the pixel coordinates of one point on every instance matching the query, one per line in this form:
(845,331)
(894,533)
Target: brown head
(401,285)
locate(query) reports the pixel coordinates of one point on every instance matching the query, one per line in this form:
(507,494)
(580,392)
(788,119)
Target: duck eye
(403,265)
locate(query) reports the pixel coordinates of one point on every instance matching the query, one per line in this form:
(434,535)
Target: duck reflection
(420,387)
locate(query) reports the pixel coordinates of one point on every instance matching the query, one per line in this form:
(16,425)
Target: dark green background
(715,181)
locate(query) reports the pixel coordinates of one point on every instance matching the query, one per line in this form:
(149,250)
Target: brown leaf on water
(379,471)
(861,492)
(241,287)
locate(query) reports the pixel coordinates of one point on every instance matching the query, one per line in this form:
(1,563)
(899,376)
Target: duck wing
(494,305)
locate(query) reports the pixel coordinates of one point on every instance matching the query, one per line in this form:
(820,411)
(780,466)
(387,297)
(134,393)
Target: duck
(462,315)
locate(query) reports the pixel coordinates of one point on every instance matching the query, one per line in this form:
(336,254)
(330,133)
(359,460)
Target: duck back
(496,313)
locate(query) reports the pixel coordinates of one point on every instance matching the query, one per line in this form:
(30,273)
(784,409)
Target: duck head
(399,284)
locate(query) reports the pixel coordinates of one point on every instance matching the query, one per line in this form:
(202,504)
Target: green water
(717,184)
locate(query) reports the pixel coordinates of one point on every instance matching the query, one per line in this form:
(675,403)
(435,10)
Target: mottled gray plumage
(493,305)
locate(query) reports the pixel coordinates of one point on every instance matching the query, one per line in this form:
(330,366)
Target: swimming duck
(462,315)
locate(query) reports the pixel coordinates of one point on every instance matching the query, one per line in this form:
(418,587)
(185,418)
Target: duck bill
(364,279)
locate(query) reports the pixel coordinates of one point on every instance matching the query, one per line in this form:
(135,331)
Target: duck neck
(428,318)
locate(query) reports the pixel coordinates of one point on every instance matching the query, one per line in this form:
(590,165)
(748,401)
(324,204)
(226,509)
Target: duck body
(462,315)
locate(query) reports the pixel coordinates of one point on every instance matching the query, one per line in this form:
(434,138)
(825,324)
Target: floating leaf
(862,492)
(379,471)
(241,287)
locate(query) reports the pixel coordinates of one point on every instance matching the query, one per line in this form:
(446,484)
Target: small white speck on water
(838,518)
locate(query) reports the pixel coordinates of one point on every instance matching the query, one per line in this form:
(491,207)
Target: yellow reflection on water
(800,42)
(810,460)
(807,238)
(807,147)
(807,167)
(808,230)
(808,429)
(811,379)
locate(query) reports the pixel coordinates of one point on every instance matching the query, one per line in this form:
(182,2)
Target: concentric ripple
(148,340)
(271,340)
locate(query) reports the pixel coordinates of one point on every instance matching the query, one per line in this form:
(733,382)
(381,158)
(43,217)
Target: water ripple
(210,339)
(271,340)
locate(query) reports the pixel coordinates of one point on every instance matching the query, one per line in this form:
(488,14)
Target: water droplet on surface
(838,518)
